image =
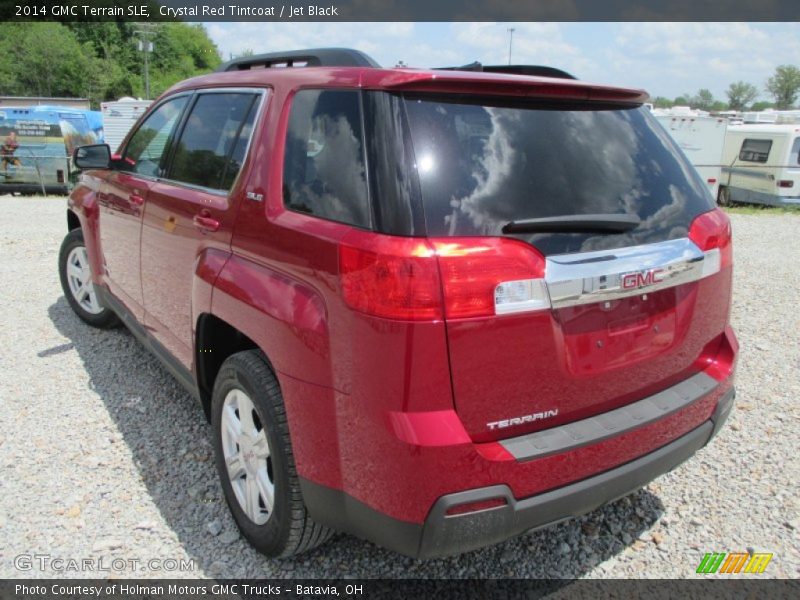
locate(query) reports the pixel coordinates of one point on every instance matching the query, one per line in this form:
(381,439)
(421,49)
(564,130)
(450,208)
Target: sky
(666,59)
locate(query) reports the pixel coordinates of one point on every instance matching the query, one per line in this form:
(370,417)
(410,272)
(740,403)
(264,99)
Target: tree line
(104,61)
(100,60)
(783,86)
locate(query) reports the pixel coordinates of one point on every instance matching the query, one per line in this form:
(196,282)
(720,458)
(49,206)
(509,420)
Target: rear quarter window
(324,168)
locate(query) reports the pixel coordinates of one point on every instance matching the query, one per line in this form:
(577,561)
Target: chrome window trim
(597,276)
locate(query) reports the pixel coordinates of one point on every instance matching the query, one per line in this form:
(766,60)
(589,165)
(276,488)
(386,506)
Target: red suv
(431,308)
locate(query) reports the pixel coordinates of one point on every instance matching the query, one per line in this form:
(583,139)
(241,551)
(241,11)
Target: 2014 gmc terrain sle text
(431,308)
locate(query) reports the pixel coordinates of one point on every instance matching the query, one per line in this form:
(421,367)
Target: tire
(75,274)
(245,384)
(724,196)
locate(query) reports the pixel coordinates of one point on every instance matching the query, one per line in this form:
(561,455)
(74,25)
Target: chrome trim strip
(598,276)
(600,427)
(749,172)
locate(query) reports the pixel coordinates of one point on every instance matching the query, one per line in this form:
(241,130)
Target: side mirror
(96,156)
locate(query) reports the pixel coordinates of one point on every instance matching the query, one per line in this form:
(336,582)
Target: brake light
(785,183)
(428,279)
(711,232)
(391,277)
(486,276)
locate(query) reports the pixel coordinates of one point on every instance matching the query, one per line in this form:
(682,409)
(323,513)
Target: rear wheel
(255,461)
(724,196)
(76,281)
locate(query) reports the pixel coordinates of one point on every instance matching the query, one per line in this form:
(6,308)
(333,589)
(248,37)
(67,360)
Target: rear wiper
(609,223)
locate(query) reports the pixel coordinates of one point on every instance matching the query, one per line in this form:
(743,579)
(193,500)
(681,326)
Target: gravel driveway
(104,455)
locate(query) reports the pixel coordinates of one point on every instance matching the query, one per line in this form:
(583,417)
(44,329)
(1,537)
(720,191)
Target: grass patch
(755,209)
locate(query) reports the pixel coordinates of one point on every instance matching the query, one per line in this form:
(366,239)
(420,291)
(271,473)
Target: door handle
(136,199)
(205,222)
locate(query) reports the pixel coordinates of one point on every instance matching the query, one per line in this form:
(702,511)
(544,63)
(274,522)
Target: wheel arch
(73,222)
(215,341)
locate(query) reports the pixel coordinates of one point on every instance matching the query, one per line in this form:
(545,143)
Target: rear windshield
(481,166)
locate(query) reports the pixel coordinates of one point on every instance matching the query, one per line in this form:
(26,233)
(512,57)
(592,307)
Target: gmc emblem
(642,278)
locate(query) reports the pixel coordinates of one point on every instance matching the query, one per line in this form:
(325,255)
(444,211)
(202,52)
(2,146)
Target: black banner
(400,10)
(461,589)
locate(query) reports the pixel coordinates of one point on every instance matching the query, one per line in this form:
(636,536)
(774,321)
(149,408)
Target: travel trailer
(119,117)
(701,138)
(36,143)
(761,165)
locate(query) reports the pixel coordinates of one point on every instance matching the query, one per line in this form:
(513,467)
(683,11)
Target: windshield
(482,166)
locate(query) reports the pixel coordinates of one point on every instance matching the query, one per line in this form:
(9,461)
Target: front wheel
(76,281)
(254,459)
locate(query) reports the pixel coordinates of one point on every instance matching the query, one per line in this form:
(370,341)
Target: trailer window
(755,150)
(794,157)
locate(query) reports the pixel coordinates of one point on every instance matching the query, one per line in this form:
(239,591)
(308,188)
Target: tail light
(391,277)
(428,279)
(483,277)
(785,183)
(711,232)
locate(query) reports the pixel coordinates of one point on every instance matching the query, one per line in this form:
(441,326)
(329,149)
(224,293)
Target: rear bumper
(442,534)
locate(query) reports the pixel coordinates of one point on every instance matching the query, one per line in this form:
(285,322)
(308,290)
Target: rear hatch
(577,215)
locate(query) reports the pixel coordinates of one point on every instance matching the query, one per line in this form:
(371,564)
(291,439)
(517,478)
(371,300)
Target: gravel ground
(104,455)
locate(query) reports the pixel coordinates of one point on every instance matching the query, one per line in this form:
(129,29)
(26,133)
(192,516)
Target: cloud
(673,58)
(665,58)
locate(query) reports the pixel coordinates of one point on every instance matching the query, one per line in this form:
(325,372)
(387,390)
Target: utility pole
(145,45)
(510,39)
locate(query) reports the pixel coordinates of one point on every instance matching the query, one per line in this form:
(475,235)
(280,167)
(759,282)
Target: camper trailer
(701,138)
(119,117)
(761,165)
(36,143)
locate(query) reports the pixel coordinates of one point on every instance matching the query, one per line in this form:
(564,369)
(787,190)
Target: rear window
(755,150)
(481,166)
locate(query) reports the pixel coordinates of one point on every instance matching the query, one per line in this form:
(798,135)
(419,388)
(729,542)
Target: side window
(755,150)
(324,172)
(211,147)
(145,151)
(794,157)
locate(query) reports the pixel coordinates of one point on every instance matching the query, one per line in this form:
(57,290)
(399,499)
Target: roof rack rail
(315,57)
(532,70)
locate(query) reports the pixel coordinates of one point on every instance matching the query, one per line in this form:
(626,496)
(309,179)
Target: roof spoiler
(316,57)
(530,70)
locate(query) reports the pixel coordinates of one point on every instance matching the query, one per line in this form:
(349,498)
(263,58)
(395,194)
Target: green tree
(784,86)
(681,100)
(718,106)
(758,106)
(703,100)
(741,95)
(661,102)
(43,59)
(98,60)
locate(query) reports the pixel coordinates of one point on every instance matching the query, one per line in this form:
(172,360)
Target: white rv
(761,165)
(701,138)
(118,118)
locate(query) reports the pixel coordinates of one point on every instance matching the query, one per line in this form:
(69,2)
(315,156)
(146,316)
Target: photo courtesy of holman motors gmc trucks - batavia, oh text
(434,309)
